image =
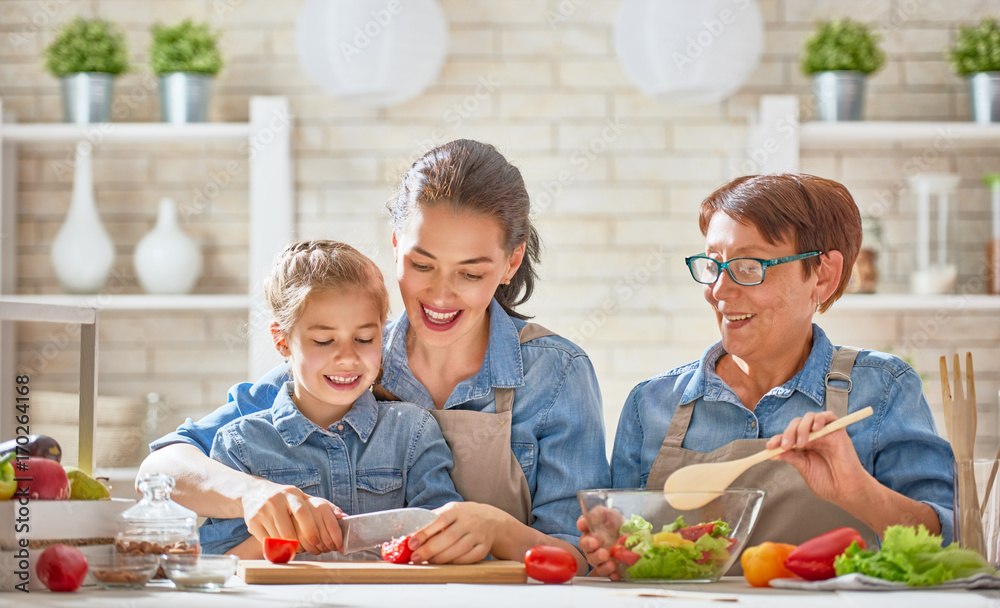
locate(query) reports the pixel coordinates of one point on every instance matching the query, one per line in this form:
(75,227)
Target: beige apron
(791,513)
(486,469)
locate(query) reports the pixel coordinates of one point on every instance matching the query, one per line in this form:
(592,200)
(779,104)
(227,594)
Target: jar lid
(156,504)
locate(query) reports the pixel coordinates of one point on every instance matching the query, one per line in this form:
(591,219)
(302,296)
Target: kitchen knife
(369,530)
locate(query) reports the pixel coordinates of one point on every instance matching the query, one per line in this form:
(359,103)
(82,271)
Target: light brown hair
(473,176)
(320,266)
(812,213)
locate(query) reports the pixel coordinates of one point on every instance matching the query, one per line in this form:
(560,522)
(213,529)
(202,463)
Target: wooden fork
(960,409)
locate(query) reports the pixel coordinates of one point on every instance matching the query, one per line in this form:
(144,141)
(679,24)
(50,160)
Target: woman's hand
(463,533)
(593,548)
(279,511)
(829,465)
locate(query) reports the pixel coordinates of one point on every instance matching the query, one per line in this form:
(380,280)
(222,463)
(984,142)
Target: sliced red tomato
(693,533)
(397,550)
(549,564)
(280,550)
(623,555)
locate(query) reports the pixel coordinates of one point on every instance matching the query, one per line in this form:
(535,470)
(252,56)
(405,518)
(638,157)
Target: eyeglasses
(744,271)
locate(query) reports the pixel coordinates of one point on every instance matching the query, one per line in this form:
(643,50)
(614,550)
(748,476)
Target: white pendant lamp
(688,51)
(372,52)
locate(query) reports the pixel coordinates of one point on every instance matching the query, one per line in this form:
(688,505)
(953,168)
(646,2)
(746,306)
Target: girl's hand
(463,533)
(279,511)
(594,551)
(829,465)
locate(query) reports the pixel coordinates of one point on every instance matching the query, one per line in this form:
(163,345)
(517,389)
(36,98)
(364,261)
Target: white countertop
(580,592)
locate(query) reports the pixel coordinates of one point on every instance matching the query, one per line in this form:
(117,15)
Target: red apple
(43,479)
(61,568)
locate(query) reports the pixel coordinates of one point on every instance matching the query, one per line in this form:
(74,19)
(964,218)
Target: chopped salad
(676,552)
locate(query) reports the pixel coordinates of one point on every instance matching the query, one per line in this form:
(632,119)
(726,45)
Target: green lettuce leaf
(912,556)
(677,563)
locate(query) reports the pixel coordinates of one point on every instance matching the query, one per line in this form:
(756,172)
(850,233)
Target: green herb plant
(87,45)
(842,44)
(976,48)
(185,47)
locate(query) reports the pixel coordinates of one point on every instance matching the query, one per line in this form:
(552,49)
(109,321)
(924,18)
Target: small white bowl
(199,572)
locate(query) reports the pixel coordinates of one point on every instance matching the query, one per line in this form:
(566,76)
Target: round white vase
(167,260)
(82,252)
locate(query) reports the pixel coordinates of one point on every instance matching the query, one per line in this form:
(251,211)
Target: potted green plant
(86,55)
(839,56)
(975,56)
(186,57)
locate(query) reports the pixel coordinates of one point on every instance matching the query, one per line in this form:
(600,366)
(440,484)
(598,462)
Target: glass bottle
(156,524)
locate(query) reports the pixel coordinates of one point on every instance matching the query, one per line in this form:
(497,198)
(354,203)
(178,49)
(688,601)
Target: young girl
(325,434)
(519,406)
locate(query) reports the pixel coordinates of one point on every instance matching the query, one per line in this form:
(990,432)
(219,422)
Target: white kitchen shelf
(140,301)
(910,302)
(266,139)
(818,135)
(126,132)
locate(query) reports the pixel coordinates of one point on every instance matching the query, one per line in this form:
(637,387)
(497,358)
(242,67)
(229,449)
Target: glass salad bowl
(651,541)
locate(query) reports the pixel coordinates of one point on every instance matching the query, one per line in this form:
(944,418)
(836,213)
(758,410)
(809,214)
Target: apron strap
(504,397)
(840,371)
(679,425)
(836,396)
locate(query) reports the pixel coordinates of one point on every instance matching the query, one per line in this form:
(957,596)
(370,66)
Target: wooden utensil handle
(836,425)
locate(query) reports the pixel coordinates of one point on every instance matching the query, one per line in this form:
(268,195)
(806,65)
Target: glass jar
(865,274)
(157,525)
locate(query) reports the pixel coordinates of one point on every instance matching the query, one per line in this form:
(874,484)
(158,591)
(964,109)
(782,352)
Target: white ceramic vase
(167,260)
(82,252)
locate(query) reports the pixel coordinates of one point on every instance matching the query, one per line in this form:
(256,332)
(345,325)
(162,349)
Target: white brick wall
(611,203)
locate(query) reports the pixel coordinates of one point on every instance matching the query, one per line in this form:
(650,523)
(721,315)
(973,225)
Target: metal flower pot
(984,96)
(87,97)
(184,97)
(839,95)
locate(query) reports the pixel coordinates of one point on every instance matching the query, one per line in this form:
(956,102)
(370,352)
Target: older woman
(779,249)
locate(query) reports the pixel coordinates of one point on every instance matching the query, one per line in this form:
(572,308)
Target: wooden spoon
(697,485)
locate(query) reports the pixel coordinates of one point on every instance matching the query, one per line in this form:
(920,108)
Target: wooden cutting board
(263,572)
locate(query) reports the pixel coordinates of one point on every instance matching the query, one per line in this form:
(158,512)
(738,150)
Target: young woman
(519,406)
(325,433)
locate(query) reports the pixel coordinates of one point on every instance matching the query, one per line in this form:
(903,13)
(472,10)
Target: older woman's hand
(829,465)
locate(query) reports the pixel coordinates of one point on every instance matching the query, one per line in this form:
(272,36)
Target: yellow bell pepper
(671,539)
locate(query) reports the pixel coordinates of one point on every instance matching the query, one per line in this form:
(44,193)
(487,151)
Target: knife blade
(369,530)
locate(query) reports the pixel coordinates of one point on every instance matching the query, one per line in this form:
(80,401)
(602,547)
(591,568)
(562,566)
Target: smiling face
(335,349)
(449,265)
(765,322)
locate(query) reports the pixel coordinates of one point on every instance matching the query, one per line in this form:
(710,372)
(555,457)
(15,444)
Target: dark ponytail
(473,176)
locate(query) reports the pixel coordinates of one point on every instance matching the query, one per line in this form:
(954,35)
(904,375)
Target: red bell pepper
(813,559)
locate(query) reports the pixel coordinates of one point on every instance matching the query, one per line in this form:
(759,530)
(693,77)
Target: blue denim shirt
(380,455)
(898,445)
(557,431)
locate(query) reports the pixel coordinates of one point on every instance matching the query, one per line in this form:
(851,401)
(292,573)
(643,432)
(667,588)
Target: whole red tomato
(280,550)
(550,564)
(397,550)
